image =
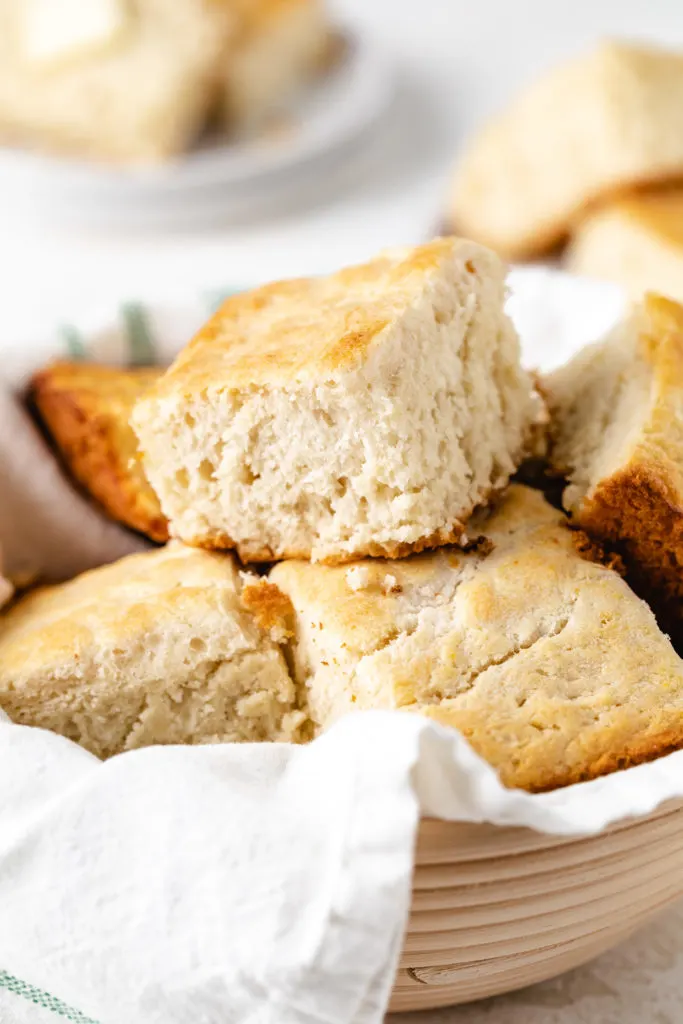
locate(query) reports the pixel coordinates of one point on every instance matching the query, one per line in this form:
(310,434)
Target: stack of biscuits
(333,460)
(590,154)
(135,81)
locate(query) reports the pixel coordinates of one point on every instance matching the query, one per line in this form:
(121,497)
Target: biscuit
(279,47)
(617,426)
(636,242)
(6,590)
(600,123)
(367,412)
(156,648)
(142,95)
(521,644)
(85,409)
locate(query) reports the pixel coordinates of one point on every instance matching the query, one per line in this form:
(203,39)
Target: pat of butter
(56,30)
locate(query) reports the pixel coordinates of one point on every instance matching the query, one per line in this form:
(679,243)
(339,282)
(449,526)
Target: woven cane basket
(496,909)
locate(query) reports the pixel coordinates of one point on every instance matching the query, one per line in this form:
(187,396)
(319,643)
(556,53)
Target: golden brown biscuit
(86,409)
(278,48)
(617,422)
(636,242)
(547,662)
(367,412)
(140,91)
(591,127)
(163,647)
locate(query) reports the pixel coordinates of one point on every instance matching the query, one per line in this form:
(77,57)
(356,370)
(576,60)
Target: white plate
(330,121)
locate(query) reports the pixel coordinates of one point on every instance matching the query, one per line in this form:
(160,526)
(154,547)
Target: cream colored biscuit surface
(278,49)
(142,94)
(636,242)
(173,646)
(617,424)
(547,662)
(604,121)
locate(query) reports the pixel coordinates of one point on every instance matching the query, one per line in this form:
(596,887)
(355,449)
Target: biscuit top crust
(256,15)
(116,390)
(643,62)
(117,603)
(86,408)
(528,569)
(308,329)
(524,536)
(608,112)
(661,339)
(659,213)
(272,610)
(660,345)
(546,661)
(103,394)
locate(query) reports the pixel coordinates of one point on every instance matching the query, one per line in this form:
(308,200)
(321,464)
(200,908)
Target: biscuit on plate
(617,427)
(593,126)
(110,79)
(636,242)
(521,644)
(85,409)
(171,646)
(367,412)
(278,48)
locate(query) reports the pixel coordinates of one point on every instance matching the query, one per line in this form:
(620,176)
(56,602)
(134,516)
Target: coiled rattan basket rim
(498,908)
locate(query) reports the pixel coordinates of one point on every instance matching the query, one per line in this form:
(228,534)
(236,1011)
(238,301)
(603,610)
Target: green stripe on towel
(72,341)
(141,347)
(42,999)
(214,300)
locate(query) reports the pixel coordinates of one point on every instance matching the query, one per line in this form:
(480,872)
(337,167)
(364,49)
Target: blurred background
(363,163)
